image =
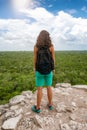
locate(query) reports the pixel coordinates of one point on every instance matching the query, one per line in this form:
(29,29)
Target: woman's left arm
(35,57)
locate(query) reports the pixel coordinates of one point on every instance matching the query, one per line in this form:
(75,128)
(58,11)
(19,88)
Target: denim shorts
(44,80)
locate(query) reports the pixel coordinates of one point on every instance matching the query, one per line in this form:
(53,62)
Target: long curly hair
(44,39)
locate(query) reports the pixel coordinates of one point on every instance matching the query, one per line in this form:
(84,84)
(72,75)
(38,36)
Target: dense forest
(17,75)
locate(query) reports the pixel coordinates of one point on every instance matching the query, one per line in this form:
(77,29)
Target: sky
(22,20)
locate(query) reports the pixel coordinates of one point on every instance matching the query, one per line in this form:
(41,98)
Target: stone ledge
(80,86)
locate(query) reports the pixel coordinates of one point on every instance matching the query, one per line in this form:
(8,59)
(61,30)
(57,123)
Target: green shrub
(16,71)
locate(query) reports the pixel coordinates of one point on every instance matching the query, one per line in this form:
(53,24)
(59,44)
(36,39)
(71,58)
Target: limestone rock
(61,107)
(73,117)
(2,111)
(58,85)
(15,107)
(48,120)
(11,123)
(9,114)
(77,126)
(58,115)
(65,127)
(3,108)
(16,99)
(69,113)
(38,121)
(27,94)
(65,85)
(18,112)
(73,104)
(80,86)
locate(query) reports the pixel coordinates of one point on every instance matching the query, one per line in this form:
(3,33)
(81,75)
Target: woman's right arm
(53,53)
(53,56)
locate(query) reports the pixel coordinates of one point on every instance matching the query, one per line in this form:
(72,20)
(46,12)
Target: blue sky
(7,11)
(22,20)
(66,5)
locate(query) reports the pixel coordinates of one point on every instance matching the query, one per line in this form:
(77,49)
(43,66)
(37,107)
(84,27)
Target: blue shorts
(44,80)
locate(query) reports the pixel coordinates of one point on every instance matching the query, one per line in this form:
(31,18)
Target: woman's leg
(49,94)
(48,79)
(39,97)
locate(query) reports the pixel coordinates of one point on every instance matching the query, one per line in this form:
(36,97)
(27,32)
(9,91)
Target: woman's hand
(34,69)
(53,71)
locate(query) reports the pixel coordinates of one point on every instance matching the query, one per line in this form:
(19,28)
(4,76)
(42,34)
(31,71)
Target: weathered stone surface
(77,126)
(73,117)
(18,112)
(9,114)
(80,86)
(27,94)
(58,115)
(38,121)
(69,113)
(61,107)
(65,127)
(73,104)
(58,85)
(15,107)
(2,111)
(11,123)
(16,99)
(3,108)
(65,85)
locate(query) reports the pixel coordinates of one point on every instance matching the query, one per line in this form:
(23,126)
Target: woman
(43,40)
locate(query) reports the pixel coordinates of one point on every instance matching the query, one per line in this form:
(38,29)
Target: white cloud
(39,14)
(67,32)
(72,11)
(24,4)
(84,8)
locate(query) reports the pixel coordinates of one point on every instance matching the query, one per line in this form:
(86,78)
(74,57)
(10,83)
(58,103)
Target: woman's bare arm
(53,53)
(35,57)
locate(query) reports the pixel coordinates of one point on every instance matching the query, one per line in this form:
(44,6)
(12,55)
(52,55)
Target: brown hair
(43,39)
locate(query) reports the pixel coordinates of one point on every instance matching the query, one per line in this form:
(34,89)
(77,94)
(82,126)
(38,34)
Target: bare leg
(49,94)
(39,96)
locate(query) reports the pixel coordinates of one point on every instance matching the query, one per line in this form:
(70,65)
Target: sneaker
(50,107)
(35,110)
